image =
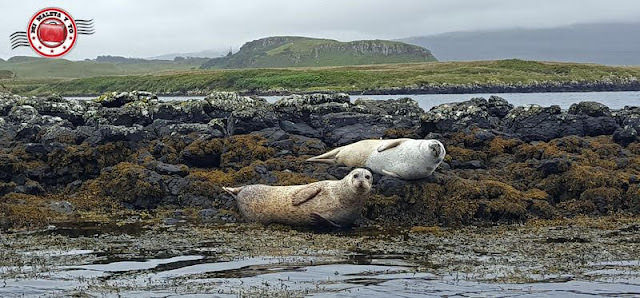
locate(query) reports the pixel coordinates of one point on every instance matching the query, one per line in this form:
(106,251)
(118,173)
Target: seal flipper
(392,174)
(305,195)
(329,157)
(318,218)
(391,144)
(234,191)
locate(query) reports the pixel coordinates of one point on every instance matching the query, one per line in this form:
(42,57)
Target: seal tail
(328,158)
(234,191)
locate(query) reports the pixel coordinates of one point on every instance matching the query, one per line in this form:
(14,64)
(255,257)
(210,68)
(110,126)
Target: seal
(335,203)
(406,159)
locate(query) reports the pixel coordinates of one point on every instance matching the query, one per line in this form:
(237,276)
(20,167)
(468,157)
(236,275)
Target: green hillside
(36,67)
(346,78)
(292,51)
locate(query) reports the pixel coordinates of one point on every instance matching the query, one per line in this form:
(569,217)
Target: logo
(51,32)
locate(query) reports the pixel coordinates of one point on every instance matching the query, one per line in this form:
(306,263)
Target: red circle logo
(52,32)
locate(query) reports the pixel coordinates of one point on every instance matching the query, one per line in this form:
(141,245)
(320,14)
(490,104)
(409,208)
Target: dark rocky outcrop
(131,150)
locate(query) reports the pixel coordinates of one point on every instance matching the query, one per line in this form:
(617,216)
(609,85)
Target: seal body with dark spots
(401,158)
(331,202)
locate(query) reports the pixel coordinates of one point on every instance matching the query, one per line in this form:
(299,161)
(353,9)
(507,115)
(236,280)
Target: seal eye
(356,175)
(367,177)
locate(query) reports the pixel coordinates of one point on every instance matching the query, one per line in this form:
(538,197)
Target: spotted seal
(401,158)
(336,203)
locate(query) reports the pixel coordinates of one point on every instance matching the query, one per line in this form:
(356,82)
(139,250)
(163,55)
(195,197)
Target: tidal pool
(578,258)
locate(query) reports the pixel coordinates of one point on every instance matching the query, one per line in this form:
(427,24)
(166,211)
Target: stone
(169,169)
(589,108)
(63,207)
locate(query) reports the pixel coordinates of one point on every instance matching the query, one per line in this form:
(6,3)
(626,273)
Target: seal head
(360,180)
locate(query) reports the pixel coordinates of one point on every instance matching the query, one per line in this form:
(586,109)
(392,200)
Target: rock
(63,207)
(65,135)
(188,111)
(114,99)
(35,149)
(244,114)
(625,135)
(133,185)
(248,120)
(68,109)
(345,128)
(169,169)
(554,166)
(390,186)
(339,172)
(202,153)
(498,106)
(535,123)
(170,221)
(208,214)
(134,113)
(299,101)
(472,164)
(23,114)
(299,108)
(628,117)
(300,128)
(165,128)
(481,137)
(19,179)
(272,134)
(457,116)
(589,108)
(405,107)
(30,187)
(113,133)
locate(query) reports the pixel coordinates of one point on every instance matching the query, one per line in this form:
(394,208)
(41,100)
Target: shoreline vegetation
(500,76)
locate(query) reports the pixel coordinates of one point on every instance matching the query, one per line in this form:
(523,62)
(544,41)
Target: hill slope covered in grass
(431,77)
(36,67)
(293,51)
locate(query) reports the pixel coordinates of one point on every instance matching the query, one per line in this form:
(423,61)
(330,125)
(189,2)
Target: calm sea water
(614,100)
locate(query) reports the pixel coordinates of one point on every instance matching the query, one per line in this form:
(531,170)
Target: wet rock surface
(133,153)
(561,257)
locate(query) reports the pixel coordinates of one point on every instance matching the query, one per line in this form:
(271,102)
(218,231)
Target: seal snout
(437,148)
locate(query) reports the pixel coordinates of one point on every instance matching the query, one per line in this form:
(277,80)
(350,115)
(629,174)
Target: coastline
(497,89)
(134,157)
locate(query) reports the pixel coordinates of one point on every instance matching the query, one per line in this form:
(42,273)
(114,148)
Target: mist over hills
(610,44)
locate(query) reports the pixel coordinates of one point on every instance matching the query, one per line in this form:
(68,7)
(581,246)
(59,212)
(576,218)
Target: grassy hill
(37,67)
(450,75)
(292,51)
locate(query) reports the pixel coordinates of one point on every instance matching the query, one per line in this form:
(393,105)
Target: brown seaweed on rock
(151,157)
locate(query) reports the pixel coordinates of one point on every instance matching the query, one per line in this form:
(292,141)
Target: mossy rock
(26,211)
(130,184)
(242,150)
(203,153)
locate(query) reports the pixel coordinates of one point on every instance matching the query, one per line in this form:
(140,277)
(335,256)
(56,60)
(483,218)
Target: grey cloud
(149,28)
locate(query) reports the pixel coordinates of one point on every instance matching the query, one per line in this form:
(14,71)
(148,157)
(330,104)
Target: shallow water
(221,261)
(298,276)
(614,100)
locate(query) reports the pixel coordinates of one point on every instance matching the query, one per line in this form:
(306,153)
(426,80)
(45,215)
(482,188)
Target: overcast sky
(151,28)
